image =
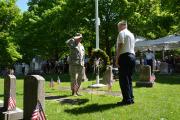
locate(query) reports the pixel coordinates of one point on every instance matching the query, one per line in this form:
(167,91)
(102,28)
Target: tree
(48,24)
(172,7)
(40,34)
(9,15)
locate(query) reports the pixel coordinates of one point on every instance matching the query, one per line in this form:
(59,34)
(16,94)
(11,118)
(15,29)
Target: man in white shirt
(125,60)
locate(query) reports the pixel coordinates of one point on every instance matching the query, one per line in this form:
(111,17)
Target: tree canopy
(43,29)
(9,16)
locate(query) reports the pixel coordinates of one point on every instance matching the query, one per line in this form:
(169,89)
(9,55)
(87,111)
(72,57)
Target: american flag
(75,86)
(152,78)
(11,103)
(38,113)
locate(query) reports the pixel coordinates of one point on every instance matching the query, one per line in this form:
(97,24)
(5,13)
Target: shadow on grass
(74,101)
(168,79)
(2,95)
(55,97)
(91,108)
(19,94)
(164,79)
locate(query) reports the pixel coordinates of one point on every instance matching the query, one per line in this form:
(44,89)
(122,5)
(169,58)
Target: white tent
(165,43)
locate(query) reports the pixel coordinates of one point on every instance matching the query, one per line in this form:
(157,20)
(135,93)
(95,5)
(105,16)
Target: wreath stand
(97,54)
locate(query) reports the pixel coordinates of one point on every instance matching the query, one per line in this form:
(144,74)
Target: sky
(22,4)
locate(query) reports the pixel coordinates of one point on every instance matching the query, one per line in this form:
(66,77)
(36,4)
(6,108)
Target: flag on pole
(11,103)
(51,83)
(58,80)
(38,113)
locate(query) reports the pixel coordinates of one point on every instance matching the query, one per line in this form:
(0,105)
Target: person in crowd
(150,59)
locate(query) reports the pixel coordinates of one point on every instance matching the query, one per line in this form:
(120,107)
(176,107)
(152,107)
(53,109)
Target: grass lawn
(162,102)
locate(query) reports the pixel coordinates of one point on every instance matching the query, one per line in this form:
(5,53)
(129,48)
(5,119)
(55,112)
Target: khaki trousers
(76,74)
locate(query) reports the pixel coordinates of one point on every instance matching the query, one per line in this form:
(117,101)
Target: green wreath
(98,53)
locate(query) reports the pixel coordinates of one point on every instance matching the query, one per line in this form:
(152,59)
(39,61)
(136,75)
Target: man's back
(128,40)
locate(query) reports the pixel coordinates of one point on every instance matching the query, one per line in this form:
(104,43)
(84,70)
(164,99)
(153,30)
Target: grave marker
(33,91)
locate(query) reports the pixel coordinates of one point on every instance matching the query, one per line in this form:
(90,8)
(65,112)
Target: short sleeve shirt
(149,56)
(128,41)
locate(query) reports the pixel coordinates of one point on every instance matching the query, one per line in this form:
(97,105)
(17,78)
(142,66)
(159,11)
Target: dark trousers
(150,63)
(126,70)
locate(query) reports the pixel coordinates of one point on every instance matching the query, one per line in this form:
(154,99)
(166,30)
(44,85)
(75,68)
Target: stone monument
(33,92)
(146,79)
(10,91)
(164,68)
(108,77)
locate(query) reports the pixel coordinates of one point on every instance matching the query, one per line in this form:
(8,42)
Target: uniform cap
(78,35)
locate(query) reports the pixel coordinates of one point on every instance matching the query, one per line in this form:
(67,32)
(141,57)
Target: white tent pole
(163,54)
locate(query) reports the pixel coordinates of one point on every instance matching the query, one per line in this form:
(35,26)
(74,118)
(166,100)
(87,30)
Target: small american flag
(75,86)
(152,78)
(11,103)
(38,113)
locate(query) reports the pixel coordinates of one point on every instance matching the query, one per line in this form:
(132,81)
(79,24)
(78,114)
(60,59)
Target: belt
(127,53)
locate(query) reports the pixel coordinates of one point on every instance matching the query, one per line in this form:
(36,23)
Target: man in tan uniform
(76,62)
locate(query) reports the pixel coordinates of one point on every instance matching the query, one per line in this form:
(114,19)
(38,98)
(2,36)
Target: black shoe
(121,103)
(130,102)
(125,103)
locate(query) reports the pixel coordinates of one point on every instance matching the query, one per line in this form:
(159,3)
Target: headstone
(18,69)
(26,69)
(177,67)
(35,66)
(164,68)
(33,91)
(51,83)
(108,77)
(145,77)
(10,90)
(158,64)
(13,115)
(145,73)
(138,68)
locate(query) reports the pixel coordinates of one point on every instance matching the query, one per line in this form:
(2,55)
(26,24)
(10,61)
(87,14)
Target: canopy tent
(165,43)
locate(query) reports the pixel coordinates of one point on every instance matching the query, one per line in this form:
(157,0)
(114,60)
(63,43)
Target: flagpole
(97,35)
(97,23)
